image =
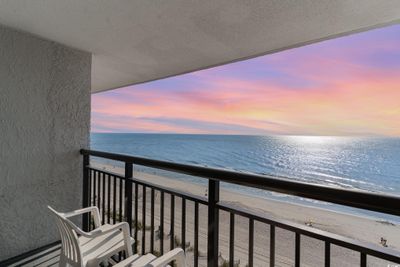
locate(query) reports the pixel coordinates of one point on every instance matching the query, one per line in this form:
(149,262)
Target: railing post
(128,193)
(85,192)
(213,223)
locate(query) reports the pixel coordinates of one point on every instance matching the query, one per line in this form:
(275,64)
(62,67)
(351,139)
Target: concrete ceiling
(138,41)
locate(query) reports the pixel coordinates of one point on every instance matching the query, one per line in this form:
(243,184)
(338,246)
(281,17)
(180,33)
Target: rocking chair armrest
(176,254)
(94,211)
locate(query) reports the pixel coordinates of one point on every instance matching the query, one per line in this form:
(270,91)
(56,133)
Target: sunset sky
(345,86)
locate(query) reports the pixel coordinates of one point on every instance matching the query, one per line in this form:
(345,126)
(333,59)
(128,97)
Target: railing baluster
(90,197)
(121,217)
(103,202)
(109,199)
(152,222)
(213,223)
(136,217)
(297,250)
(161,223)
(327,254)
(114,199)
(363,260)
(98,176)
(251,241)
(172,226)
(272,245)
(183,224)
(93,175)
(232,240)
(128,193)
(144,220)
(93,195)
(196,234)
(94,179)
(86,192)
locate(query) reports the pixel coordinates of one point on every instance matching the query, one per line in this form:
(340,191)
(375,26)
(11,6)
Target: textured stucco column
(44,121)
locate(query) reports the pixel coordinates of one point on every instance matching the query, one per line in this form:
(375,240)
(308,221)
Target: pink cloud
(331,91)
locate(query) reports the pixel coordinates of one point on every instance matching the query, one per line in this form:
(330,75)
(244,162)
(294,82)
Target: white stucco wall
(44,121)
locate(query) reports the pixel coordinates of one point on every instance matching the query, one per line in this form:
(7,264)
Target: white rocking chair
(88,249)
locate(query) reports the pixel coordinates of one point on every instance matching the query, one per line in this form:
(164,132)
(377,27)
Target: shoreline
(310,203)
(361,228)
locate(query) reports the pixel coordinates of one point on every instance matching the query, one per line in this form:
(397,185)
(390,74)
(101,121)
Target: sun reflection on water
(316,140)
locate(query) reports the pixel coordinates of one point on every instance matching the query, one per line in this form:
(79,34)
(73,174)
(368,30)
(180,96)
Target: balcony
(207,227)
(54,54)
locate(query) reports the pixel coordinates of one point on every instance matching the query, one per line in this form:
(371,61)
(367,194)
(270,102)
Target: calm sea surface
(371,164)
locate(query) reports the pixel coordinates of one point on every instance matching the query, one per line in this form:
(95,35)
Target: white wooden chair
(87,249)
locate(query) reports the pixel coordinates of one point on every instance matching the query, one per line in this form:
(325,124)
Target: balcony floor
(46,257)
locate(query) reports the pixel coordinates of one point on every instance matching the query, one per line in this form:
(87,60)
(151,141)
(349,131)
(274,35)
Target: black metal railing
(119,197)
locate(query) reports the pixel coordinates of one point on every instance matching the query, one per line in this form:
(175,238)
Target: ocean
(365,163)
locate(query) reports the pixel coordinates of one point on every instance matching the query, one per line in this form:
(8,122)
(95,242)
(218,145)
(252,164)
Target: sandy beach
(312,251)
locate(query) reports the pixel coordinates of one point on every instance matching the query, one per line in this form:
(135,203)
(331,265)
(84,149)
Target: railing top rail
(384,203)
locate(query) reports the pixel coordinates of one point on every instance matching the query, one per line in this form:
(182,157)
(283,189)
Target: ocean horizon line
(256,135)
